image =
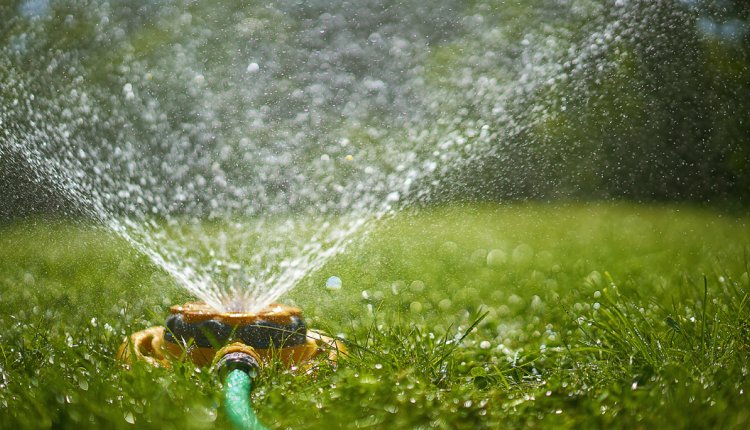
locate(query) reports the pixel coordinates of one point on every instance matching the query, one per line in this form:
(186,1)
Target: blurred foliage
(658,112)
(670,121)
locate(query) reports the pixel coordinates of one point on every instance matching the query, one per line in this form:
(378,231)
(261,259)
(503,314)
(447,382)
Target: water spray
(236,345)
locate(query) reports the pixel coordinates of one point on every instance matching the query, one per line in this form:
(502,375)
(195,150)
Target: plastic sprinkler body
(196,332)
(236,344)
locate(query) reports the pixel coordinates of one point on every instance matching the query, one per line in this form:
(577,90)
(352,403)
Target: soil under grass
(587,316)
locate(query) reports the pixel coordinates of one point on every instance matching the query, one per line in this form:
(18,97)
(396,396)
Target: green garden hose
(237,401)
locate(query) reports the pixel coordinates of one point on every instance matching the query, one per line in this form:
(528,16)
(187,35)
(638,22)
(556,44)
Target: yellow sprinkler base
(198,333)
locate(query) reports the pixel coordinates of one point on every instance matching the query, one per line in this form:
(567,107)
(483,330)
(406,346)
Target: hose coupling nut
(237,356)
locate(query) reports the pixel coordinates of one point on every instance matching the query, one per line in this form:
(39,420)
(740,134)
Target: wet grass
(548,316)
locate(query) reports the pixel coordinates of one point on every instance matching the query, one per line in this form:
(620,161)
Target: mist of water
(240,150)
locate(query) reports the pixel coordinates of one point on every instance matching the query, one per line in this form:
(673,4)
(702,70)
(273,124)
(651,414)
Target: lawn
(527,315)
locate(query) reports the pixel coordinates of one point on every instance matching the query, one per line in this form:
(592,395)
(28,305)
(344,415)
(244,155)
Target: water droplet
(334,283)
(417,286)
(28,278)
(515,301)
(396,287)
(523,254)
(594,279)
(496,258)
(449,248)
(536,303)
(485,344)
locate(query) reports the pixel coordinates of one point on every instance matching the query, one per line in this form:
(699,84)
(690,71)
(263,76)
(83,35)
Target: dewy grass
(549,316)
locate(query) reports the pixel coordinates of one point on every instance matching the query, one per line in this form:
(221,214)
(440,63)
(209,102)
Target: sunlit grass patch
(519,315)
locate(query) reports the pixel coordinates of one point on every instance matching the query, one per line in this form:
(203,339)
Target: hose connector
(237,364)
(237,356)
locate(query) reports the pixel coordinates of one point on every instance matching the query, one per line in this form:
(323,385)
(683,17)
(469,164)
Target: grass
(547,316)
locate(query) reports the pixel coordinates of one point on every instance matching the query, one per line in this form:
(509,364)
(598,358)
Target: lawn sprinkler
(235,344)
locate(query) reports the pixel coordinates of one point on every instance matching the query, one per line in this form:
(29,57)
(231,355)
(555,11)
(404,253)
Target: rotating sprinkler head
(200,331)
(196,332)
